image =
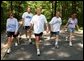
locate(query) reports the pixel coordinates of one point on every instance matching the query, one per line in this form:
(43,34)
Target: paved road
(26,51)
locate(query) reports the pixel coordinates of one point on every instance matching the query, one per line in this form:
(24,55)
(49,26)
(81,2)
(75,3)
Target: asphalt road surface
(26,51)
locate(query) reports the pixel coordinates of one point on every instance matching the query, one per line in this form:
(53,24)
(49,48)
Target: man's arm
(31,26)
(47,27)
(22,21)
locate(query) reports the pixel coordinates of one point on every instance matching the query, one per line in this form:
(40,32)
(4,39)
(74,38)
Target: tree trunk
(55,5)
(73,6)
(11,6)
(52,8)
(63,10)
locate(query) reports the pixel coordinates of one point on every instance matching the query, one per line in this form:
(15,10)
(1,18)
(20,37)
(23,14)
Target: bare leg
(30,36)
(9,42)
(37,45)
(70,39)
(56,41)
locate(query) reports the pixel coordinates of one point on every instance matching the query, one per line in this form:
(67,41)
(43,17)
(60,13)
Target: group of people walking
(37,22)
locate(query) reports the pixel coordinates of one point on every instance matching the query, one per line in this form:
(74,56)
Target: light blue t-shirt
(12,25)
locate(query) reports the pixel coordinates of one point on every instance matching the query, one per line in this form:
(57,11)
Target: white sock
(29,39)
(9,50)
(16,44)
(56,43)
(66,38)
(38,50)
(70,43)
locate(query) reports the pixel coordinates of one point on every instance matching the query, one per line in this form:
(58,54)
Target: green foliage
(19,7)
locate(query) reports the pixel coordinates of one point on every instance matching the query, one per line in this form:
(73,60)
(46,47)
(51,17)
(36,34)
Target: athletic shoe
(9,50)
(38,52)
(30,42)
(16,44)
(70,43)
(66,39)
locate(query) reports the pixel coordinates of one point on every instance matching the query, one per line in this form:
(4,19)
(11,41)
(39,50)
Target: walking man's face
(11,15)
(38,10)
(57,14)
(28,10)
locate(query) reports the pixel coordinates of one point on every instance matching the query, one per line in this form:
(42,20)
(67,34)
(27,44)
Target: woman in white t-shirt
(38,22)
(55,24)
(27,16)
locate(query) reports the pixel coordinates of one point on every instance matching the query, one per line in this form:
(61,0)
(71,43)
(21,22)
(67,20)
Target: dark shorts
(55,33)
(40,34)
(10,34)
(26,27)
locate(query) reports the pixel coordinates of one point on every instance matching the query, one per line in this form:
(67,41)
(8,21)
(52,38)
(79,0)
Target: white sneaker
(16,44)
(9,50)
(66,39)
(56,45)
(70,43)
(38,52)
(30,41)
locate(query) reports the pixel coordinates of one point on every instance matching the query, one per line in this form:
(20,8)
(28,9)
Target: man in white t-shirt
(38,22)
(27,16)
(55,27)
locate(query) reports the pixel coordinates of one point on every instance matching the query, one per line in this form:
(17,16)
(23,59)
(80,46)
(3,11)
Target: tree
(73,6)
(54,4)
(11,6)
(48,9)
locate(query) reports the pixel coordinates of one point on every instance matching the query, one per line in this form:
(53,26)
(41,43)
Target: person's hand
(15,33)
(47,30)
(65,26)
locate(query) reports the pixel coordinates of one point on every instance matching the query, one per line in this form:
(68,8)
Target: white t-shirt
(27,18)
(38,22)
(55,24)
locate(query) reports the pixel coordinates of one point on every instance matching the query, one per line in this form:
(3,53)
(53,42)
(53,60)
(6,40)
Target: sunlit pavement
(26,51)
